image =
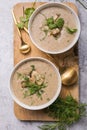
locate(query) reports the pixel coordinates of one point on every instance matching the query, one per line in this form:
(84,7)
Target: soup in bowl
(54,28)
(35,83)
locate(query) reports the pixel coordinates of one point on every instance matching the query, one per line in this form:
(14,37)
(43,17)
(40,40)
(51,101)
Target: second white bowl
(52,91)
(48,46)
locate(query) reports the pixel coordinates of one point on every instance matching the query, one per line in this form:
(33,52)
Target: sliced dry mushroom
(55,32)
(36,77)
(56,16)
(32,79)
(34,73)
(40,81)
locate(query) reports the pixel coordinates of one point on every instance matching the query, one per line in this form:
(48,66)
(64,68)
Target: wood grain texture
(70,58)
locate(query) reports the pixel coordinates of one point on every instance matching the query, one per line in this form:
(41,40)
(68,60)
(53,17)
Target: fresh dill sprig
(66,111)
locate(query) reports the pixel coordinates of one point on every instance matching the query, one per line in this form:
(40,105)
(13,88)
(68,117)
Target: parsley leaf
(50,21)
(20,25)
(59,22)
(71,31)
(24,19)
(28,12)
(52,26)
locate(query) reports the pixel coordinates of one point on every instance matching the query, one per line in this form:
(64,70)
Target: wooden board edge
(17,116)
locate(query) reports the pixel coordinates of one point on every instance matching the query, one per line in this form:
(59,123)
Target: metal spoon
(24,48)
(69,76)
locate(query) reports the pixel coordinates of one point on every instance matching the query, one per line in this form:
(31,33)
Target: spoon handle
(16,24)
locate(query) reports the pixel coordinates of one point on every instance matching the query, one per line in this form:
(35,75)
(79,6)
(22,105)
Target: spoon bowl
(69,77)
(24,48)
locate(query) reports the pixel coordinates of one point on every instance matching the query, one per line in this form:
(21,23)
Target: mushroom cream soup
(53,28)
(35,82)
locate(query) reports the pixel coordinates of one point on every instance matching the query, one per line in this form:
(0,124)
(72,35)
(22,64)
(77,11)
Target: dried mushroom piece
(52,26)
(32,82)
(55,32)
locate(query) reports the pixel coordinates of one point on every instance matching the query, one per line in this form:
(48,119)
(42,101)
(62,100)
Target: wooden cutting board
(70,58)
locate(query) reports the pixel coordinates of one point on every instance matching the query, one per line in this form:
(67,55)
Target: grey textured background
(8,120)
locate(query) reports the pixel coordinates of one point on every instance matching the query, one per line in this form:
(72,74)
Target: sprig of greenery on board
(24,19)
(26,16)
(29,11)
(67,111)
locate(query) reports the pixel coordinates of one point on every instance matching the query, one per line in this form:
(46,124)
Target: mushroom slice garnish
(55,32)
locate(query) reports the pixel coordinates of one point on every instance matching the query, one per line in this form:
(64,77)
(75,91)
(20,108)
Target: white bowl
(47,5)
(39,106)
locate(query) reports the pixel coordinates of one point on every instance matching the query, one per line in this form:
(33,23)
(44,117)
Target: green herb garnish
(32,84)
(33,67)
(50,21)
(59,22)
(71,31)
(52,24)
(20,25)
(22,76)
(28,12)
(19,75)
(24,20)
(54,27)
(67,111)
(32,88)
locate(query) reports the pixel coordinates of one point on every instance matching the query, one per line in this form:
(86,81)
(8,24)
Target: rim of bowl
(56,4)
(49,102)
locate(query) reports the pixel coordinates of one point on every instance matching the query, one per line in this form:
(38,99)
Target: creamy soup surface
(46,41)
(50,80)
